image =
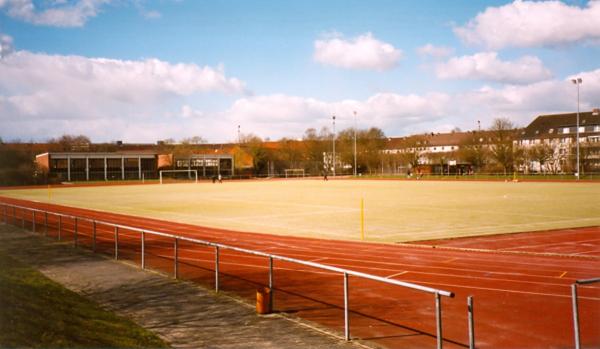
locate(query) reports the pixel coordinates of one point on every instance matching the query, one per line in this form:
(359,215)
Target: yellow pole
(362,218)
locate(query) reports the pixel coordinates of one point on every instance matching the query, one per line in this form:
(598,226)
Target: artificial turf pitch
(394,211)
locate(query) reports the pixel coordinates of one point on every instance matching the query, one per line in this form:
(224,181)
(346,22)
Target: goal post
(175,175)
(294,172)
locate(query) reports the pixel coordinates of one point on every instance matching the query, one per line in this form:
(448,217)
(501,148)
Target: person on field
(325,176)
(214,178)
(220,178)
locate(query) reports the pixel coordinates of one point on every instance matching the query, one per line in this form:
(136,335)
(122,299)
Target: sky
(141,71)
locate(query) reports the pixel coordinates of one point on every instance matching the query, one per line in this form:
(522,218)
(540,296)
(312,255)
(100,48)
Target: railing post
(45,223)
(93,236)
(23,218)
(216,268)
(75,233)
(33,221)
(143,250)
(438,319)
(271,284)
(575,315)
(116,242)
(346,313)
(59,226)
(176,258)
(471,322)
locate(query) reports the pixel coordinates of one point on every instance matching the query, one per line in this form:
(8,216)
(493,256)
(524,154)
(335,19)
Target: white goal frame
(299,171)
(195,172)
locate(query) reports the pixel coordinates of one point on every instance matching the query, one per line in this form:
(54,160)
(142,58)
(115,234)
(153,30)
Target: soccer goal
(178,175)
(294,172)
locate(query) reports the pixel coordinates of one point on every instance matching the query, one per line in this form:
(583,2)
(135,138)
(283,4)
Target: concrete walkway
(183,314)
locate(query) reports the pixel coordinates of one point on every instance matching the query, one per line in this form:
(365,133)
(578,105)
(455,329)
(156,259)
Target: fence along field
(394,211)
(232,264)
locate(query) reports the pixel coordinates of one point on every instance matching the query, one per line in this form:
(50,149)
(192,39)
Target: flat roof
(113,155)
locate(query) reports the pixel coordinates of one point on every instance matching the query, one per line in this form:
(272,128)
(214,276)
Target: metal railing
(218,246)
(576,307)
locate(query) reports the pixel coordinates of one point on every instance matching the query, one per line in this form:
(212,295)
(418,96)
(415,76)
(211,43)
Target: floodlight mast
(577,82)
(355,143)
(333,159)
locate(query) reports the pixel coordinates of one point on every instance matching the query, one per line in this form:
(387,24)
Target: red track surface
(574,242)
(522,300)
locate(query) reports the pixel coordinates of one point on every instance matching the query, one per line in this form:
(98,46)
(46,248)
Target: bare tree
(474,151)
(254,146)
(542,154)
(194,140)
(503,131)
(315,145)
(70,143)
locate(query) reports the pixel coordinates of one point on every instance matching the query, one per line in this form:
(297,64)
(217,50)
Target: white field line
(412,281)
(449,286)
(406,268)
(512,237)
(277,203)
(212,261)
(470,210)
(397,274)
(342,257)
(548,244)
(251,220)
(552,268)
(488,228)
(587,252)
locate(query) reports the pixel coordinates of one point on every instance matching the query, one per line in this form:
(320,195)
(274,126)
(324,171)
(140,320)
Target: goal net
(178,175)
(294,172)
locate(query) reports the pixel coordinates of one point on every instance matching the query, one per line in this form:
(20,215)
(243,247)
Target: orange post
(263,300)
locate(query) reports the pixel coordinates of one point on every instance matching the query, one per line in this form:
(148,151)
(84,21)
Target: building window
(565,130)
(551,130)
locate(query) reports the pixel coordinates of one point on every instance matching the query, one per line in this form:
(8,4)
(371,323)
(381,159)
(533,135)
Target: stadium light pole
(355,143)
(239,139)
(577,82)
(333,138)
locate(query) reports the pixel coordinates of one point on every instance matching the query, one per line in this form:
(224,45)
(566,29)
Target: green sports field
(394,211)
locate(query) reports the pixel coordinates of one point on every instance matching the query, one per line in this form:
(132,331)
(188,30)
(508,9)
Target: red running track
(574,242)
(522,300)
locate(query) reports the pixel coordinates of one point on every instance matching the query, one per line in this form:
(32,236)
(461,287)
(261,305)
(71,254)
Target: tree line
(491,151)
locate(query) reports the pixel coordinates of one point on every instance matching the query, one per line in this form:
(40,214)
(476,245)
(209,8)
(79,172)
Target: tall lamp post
(333,138)
(355,144)
(577,82)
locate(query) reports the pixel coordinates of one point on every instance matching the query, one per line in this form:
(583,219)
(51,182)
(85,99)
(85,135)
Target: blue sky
(140,71)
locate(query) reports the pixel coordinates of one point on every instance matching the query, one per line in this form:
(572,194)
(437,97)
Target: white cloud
(57,14)
(188,112)
(45,96)
(6,45)
(44,93)
(435,51)
(487,66)
(118,80)
(280,115)
(362,52)
(533,24)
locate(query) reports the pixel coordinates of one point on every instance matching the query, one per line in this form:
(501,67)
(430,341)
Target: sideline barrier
(217,246)
(576,307)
